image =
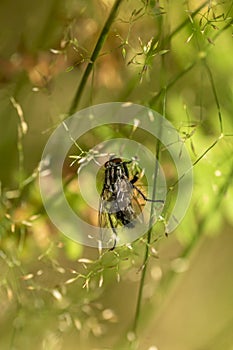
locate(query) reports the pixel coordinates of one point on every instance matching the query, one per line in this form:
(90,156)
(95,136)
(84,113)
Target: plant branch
(215,95)
(149,233)
(94,56)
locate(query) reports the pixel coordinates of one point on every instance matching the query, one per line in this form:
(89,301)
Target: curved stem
(94,56)
(149,233)
(146,255)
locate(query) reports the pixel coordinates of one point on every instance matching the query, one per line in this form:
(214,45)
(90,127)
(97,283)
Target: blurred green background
(175,57)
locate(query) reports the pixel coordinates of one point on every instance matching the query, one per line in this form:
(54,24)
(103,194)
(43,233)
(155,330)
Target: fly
(119,205)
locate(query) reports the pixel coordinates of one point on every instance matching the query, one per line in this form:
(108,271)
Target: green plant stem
(191,65)
(134,81)
(172,82)
(197,160)
(215,94)
(185,22)
(168,281)
(149,233)
(94,56)
(219,32)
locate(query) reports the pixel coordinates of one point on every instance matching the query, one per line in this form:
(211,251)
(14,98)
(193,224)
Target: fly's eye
(113,162)
(116,161)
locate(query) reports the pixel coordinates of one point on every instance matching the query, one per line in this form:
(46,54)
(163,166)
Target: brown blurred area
(45,47)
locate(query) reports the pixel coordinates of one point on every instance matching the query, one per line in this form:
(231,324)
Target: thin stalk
(206,151)
(170,277)
(134,82)
(172,82)
(197,160)
(185,22)
(215,95)
(191,65)
(94,56)
(149,233)
(219,32)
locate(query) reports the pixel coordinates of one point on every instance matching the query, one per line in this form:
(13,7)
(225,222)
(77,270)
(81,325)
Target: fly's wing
(106,218)
(128,206)
(108,209)
(103,210)
(124,193)
(119,209)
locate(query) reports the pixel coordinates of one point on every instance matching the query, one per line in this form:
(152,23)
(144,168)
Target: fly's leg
(135,179)
(145,198)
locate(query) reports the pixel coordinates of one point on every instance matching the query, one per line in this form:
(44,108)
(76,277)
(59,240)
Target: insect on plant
(119,203)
